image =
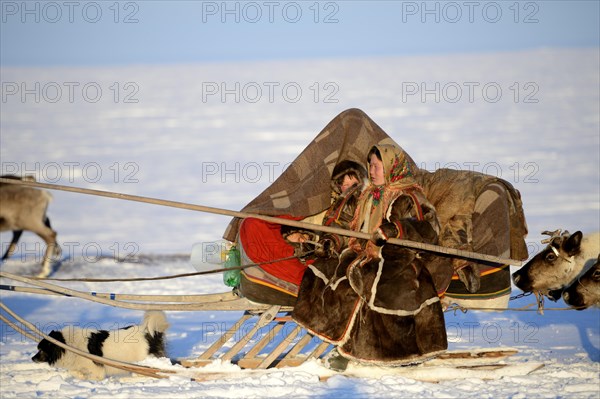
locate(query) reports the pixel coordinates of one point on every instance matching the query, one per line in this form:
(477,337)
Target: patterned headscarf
(375,200)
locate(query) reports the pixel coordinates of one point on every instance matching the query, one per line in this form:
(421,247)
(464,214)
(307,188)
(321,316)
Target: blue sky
(139,32)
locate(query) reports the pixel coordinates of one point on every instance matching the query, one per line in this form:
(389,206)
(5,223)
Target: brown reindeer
(24,208)
(559,264)
(585,290)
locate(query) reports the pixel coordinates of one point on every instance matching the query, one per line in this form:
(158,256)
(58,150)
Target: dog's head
(49,352)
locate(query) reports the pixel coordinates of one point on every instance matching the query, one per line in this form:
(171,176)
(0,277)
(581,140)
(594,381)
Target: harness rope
(184,302)
(527,308)
(106,280)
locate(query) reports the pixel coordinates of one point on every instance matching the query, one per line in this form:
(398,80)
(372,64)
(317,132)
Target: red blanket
(263,242)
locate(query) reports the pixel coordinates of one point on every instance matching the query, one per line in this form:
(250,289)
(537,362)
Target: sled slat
(264,341)
(205,358)
(225,337)
(295,360)
(279,349)
(319,350)
(263,320)
(296,349)
(290,359)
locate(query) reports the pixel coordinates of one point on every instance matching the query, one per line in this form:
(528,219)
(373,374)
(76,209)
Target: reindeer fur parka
(379,303)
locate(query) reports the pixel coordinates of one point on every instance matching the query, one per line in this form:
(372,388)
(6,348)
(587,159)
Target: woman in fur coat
(377,301)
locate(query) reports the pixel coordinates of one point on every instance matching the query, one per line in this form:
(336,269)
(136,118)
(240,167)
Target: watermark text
(469,92)
(452,12)
(69,92)
(53,12)
(72,171)
(254,92)
(253,12)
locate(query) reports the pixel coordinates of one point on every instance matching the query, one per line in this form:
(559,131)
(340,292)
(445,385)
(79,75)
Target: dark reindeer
(24,208)
(559,265)
(585,290)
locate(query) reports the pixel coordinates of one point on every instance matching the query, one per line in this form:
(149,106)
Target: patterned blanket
(304,189)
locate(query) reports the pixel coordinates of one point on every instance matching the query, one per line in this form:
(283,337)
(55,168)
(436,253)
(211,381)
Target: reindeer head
(585,291)
(553,267)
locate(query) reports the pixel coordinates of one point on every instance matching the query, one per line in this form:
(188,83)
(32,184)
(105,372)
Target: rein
(213,271)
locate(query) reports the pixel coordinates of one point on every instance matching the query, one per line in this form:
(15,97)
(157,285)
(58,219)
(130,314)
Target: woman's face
(376,170)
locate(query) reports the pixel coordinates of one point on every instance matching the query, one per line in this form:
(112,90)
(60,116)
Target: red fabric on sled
(262,241)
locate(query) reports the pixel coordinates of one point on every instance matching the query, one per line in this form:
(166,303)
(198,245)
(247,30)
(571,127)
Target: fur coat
(379,304)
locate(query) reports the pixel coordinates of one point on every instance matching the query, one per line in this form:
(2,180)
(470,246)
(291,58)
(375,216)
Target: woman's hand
(384,233)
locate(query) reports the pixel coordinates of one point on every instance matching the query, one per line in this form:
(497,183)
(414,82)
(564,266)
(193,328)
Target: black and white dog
(130,344)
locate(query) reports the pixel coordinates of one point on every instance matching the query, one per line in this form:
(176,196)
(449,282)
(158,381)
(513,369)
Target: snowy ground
(162,131)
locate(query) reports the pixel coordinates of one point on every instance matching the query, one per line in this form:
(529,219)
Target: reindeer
(557,266)
(585,290)
(24,208)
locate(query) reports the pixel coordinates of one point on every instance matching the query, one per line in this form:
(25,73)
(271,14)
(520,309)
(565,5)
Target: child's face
(297,237)
(376,170)
(348,182)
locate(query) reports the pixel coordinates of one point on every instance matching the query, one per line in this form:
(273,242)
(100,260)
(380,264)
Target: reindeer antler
(554,235)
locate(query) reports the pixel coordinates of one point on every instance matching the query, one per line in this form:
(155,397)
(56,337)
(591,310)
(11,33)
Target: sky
(79,33)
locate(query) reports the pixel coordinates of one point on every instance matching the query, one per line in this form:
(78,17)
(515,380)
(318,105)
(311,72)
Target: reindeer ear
(573,243)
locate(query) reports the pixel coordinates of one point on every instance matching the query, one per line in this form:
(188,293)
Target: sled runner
(482,364)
